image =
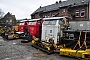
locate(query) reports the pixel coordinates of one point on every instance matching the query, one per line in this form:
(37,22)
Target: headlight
(53,38)
(47,39)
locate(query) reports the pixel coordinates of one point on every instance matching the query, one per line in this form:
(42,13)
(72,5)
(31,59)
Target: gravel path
(15,50)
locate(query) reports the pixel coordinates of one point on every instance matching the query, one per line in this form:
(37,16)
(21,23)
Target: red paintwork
(34,28)
(21,27)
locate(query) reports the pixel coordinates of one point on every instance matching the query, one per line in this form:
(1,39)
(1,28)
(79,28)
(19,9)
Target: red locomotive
(34,27)
(21,26)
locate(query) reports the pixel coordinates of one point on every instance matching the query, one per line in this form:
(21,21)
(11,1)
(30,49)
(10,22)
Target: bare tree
(1,13)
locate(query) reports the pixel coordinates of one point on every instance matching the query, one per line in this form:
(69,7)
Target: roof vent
(74,3)
(60,1)
(56,2)
(82,1)
(40,6)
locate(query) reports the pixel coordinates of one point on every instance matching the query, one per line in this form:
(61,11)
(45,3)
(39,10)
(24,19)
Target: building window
(63,10)
(10,20)
(48,16)
(53,15)
(82,13)
(6,20)
(77,13)
(45,16)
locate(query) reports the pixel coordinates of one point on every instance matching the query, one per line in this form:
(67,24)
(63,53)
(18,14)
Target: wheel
(29,37)
(6,36)
(3,35)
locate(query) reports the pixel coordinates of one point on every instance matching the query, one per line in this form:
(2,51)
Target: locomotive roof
(34,19)
(23,20)
(30,20)
(54,18)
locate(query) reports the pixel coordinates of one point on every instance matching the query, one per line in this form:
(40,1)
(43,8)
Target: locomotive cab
(54,27)
(34,27)
(22,26)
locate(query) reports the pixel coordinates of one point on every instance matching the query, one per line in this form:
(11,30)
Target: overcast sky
(23,8)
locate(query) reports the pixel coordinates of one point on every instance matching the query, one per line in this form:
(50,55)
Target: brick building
(76,9)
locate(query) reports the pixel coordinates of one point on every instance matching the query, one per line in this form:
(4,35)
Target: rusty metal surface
(15,50)
(39,55)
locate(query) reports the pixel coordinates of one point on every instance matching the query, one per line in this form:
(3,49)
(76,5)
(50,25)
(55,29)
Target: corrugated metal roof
(56,6)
